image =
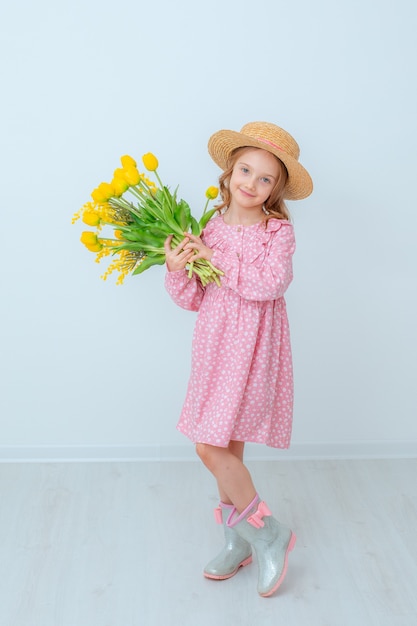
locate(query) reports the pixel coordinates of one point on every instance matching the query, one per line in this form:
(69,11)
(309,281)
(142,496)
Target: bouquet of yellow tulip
(141,227)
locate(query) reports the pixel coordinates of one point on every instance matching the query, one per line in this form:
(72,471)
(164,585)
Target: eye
(244,169)
(266,180)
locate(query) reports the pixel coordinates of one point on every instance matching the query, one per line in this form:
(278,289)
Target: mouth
(246,193)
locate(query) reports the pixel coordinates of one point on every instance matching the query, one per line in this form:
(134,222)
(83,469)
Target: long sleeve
(186,292)
(266,277)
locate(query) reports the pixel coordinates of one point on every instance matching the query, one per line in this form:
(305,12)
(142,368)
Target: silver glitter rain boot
(236,552)
(271,540)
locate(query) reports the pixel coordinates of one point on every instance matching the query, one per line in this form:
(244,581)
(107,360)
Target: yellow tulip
(102,193)
(150,161)
(88,238)
(119,185)
(118,173)
(94,247)
(90,218)
(212,193)
(127,162)
(132,175)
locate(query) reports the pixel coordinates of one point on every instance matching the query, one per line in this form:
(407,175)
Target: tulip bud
(120,185)
(212,193)
(91,218)
(94,247)
(127,162)
(88,238)
(132,176)
(150,161)
(102,193)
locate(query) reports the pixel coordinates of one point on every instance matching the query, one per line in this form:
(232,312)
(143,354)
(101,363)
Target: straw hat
(271,138)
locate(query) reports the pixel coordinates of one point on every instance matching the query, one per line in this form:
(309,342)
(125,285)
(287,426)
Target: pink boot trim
(232,520)
(245,562)
(284,570)
(218,511)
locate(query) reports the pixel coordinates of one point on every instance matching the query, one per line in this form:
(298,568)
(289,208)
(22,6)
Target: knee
(205,452)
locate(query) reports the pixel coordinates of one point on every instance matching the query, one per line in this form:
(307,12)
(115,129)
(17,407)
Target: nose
(250,182)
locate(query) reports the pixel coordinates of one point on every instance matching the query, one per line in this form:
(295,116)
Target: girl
(241,386)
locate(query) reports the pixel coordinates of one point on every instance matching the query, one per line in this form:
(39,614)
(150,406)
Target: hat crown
(273,136)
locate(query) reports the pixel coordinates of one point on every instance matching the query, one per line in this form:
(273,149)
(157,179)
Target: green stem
(162,187)
(206,205)
(121,203)
(136,191)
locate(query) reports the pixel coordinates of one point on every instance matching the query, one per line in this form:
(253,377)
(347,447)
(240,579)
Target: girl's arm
(266,281)
(186,292)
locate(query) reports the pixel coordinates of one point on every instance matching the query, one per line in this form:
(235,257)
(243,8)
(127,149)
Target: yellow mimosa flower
(102,253)
(150,161)
(127,162)
(149,183)
(212,193)
(109,243)
(118,234)
(77,215)
(104,210)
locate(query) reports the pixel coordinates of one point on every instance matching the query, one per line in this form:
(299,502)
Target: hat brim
(221,145)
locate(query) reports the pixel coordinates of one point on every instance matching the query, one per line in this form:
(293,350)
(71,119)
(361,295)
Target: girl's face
(253,178)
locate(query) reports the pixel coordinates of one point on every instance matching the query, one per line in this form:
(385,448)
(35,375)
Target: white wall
(85,363)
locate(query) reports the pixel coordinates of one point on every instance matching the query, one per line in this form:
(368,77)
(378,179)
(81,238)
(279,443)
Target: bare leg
(237,448)
(233,478)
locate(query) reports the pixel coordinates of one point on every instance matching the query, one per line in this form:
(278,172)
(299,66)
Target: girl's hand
(199,249)
(178,257)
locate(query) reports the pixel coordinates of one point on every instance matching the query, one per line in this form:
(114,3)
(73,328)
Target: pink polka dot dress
(241,382)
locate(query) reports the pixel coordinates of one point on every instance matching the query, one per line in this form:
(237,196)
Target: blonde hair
(274,206)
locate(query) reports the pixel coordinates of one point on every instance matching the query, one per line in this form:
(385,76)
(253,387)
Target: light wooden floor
(123,544)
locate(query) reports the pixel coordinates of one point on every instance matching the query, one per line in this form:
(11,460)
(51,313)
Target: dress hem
(219,445)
